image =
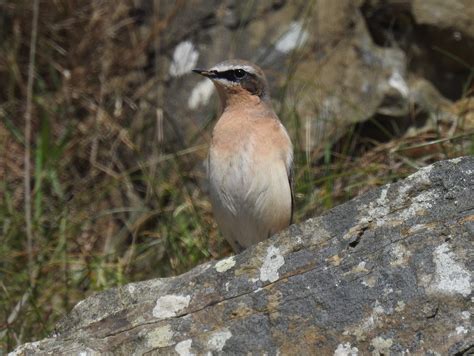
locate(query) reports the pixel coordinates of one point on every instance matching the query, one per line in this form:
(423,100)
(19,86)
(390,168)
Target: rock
(330,64)
(457,15)
(342,77)
(388,273)
(436,36)
(347,78)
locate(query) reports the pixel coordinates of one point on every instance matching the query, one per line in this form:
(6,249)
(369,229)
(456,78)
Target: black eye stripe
(232,75)
(228,74)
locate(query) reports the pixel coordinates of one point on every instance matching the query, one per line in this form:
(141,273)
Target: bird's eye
(239,73)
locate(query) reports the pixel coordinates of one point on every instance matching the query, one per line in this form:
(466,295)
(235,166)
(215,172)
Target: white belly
(251,196)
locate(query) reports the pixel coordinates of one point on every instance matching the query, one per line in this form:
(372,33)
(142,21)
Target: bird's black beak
(204,72)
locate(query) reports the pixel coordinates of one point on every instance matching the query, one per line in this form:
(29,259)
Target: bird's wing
(291,181)
(289,157)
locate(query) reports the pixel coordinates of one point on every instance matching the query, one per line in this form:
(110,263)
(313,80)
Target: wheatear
(250,157)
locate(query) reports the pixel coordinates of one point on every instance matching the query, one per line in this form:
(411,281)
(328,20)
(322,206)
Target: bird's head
(237,80)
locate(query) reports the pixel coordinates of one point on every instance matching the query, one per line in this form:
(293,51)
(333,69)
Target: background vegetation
(92,193)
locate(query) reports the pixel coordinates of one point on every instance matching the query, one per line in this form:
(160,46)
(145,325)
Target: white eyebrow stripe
(223,68)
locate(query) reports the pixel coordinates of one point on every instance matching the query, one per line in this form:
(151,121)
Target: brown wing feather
(292,189)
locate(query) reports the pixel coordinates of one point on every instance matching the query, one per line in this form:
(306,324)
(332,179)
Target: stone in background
(330,63)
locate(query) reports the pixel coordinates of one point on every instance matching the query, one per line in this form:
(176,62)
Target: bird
(250,157)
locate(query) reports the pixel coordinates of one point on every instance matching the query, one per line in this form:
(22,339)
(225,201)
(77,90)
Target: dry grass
(113,198)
